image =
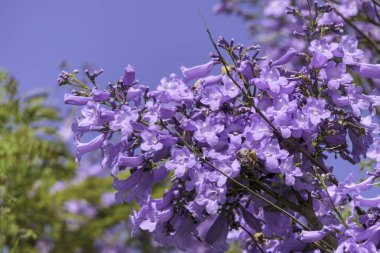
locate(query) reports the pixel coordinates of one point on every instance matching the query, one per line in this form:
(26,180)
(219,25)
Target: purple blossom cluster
(277,32)
(243,152)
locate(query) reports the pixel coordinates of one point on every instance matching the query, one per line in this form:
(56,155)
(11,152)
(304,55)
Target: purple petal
(319,60)
(368,70)
(250,219)
(131,181)
(218,231)
(96,143)
(208,81)
(370,202)
(99,95)
(285,58)
(167,113)
(197,71)
(132,161)
(246,69)
(129,75)
(312,236)
(76,100)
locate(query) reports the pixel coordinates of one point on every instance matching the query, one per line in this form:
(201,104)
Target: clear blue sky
(153,35)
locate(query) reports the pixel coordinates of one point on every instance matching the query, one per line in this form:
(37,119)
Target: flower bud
(129,75)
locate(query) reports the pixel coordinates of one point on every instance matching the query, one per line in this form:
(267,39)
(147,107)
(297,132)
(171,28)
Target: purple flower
(335,74)
(197,72)
(82,148)
(173,89)
(315,109)
(368,70)
(355,98)
(207,131)
(271,80)
(211,197)
(111,153)
(129,76)
(100,95)
(287,57)
(288,169)
(231,169)
(181,160)
(312,236)
(250,219)
(196,179)
(155,140)
(184,227)
(213,97)
(348,186)
(271,152)
(229,88)
(217,234)
(257,130)
(146,218)
(245,68)
(208,81)
(138,185)
(230,133)
(76,100)
(322,52)
(132,161)
(369,202)
(124,119)
(270,224)
(134,94)
(374,151)
(123,186)
(92,118)
(368,238)
(348,50)
(151,141)
(282,108)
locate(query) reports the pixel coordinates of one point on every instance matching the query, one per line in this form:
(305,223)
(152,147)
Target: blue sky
(154,36)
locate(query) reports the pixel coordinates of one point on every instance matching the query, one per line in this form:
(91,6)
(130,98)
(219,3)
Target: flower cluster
(277,32)
(243,150)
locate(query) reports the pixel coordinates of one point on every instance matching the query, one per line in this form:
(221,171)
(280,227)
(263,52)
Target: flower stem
(253,238)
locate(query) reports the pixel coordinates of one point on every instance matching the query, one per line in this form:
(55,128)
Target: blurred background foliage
(47,204)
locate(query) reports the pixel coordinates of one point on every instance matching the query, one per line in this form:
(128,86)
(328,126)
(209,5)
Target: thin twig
(365,36)
(253,238)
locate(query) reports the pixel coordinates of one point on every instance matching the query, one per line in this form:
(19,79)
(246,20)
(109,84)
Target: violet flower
(368,70)
(129,76)
(197,72)
(76,100)
(85,147)
(323,51)
(312,236)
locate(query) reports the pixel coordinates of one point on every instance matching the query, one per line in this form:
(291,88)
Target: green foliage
(32,159)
